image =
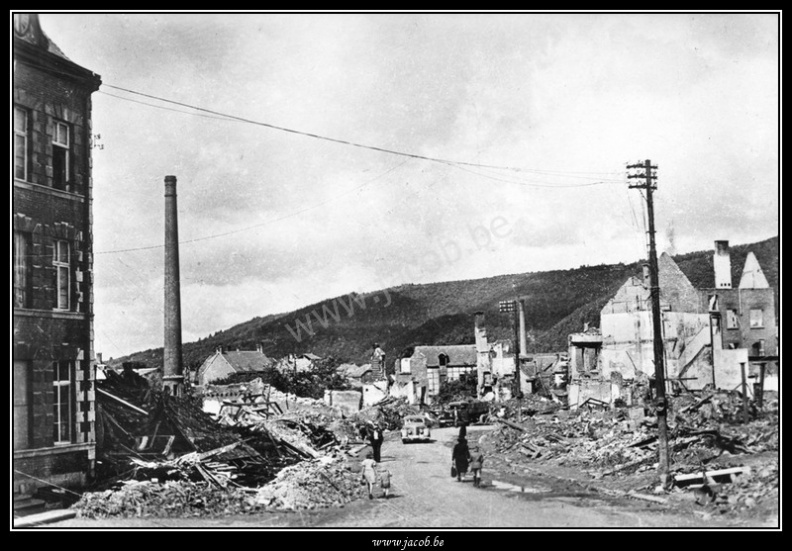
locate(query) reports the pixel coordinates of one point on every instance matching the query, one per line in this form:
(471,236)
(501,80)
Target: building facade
(223,363)
(53,379)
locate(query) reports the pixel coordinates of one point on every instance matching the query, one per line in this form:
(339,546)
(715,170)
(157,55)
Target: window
(432,381)
(442,359)
(63,268)
(60,155)
(62,401)
(21,270)
(21,405)
(456,373)
(731,319)
(20,143)
(756,318)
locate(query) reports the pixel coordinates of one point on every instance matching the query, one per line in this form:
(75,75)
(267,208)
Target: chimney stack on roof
(219,349)
(721,262)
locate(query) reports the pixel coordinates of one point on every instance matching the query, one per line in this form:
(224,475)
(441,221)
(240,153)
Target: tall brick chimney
(172,376)
(721,262)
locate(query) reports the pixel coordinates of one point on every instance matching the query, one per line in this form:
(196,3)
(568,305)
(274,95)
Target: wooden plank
(646,497)
(697,404)
(168,445)
(210,453)
(712,474)
(512,425)
(119,400)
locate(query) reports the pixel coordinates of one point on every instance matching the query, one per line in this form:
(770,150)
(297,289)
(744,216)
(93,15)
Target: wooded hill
(557,303)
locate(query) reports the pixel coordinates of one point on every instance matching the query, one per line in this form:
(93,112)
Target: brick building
(53,382)
(748,313)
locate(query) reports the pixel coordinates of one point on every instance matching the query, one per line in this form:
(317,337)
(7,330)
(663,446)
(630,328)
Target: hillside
(557,303)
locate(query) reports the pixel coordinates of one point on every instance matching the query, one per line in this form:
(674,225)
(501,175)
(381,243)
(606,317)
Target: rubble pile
(311,484)
(388,412)
(624,440)
(749,491)
(162,455)
(164,499)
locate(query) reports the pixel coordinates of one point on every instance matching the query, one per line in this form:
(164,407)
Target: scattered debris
(164,499)
(325,482)
(611,444)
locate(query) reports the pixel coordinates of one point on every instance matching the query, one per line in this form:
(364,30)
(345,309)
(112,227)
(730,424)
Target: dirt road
(425,496)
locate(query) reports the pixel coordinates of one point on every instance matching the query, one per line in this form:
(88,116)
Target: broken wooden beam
(627,465)
(712,474)
(697,404)
(646,497)
(121,401)
(512,425)
(210,453)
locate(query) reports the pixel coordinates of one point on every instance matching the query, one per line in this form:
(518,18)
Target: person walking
(376,438)
(369,475)
(476,465)
(385,478)
(460,457)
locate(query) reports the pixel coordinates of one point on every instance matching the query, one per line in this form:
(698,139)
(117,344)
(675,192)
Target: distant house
(298,362)
(223,363)
(429,366)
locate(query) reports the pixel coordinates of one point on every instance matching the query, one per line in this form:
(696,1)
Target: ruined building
(53,387)
(707,333)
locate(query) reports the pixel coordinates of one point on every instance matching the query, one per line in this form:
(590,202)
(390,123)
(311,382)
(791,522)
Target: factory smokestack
(172,376)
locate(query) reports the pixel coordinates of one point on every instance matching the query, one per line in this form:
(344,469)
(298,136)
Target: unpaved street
(425,496)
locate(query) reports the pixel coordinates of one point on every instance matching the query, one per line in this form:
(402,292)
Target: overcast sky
(546,109)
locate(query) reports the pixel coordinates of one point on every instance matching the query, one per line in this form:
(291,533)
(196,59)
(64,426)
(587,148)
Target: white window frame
(752,318)
(60,139)
(63,410)
(433,381)
(63,272)
(23,134)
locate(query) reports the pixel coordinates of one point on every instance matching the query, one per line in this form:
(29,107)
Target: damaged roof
(458,354)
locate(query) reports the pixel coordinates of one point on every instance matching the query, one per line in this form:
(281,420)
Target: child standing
(476,464)
(385,478)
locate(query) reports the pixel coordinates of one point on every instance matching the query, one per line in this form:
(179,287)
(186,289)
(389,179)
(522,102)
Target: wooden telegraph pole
(649,175)
(506,306)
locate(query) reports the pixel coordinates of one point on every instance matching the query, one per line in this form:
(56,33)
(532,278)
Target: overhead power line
(226,116)
(238,230)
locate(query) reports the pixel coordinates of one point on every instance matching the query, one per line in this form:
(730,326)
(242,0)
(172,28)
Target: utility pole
(649,175)
(506,306)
